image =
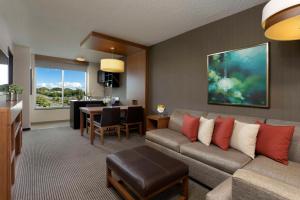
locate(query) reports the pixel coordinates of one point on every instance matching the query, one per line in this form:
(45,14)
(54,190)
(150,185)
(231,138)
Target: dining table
(92,111)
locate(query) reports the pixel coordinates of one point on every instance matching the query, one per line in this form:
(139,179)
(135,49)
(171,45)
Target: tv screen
(4,68)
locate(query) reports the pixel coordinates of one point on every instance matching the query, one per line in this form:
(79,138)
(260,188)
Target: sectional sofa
(231,174)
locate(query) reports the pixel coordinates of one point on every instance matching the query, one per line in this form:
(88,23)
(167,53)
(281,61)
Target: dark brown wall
(178,74)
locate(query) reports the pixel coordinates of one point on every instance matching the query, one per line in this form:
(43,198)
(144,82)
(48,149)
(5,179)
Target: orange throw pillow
(223,132)
(190,127)
(274,141)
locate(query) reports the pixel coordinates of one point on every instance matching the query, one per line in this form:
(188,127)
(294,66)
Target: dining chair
(96,117)
(133,120)
(110,120)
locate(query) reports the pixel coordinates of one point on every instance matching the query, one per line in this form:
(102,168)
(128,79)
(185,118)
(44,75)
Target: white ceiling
(56,27)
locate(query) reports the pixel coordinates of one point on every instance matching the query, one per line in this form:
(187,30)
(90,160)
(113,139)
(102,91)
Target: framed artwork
(239,77)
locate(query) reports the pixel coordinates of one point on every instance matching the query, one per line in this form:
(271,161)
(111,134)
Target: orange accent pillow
(223,132)
(190,127)
(274,141)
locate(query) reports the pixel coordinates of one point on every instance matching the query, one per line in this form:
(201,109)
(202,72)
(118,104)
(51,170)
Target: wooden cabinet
(157,122)
(10,144)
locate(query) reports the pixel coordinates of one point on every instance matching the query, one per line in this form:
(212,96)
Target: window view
(74,85)
(56,87)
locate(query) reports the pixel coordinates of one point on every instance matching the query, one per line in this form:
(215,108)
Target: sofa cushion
(294,151)
(244,137)
(167,138)
(190,127)
(289,174)
(241,118)
(206,130)
(228,161)
(250,185)
(273,141)
(222,132)
(176,118)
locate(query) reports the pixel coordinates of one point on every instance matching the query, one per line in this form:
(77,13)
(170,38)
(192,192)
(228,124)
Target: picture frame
(239,77)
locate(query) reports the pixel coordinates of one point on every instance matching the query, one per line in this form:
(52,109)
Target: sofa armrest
(248,185)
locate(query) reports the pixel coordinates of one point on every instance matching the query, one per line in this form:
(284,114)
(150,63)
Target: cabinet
(10,144)
(109,79)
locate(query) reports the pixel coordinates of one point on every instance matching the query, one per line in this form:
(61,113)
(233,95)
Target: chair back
(110,116)
(97,118)
(95,105)
(135,114)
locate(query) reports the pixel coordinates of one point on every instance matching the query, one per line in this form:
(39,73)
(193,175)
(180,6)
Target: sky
(50,78)
(3,74)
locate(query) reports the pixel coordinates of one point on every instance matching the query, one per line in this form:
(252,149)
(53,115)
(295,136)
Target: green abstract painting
(239,77)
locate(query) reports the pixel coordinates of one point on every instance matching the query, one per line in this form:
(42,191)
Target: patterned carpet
(59,164)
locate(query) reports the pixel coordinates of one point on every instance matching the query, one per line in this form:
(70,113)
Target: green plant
(15,89)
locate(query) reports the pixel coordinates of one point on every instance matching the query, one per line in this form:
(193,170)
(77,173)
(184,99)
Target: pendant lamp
(112,64)
(281,20)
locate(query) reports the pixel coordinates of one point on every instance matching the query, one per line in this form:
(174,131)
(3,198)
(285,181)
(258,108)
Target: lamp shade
(112,65)
(281,20)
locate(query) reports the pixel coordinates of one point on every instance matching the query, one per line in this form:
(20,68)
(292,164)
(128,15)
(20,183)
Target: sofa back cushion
(294,151)
(190,127)
(222,132)
(241,118)
(176,118)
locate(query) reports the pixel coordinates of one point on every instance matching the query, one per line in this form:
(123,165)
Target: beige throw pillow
(206,130)
(244,137)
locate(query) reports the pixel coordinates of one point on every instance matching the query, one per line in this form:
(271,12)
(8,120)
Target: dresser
(10,144)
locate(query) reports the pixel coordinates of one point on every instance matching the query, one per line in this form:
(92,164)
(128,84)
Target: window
(56,87)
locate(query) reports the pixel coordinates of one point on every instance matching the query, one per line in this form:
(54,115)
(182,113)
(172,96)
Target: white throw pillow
(206,130)
(244,137)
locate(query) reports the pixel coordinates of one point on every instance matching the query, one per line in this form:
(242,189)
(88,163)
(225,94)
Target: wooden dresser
(10,144)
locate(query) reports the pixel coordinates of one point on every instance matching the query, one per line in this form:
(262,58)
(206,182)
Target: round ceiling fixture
(281,20)
(111,64)
(80,59)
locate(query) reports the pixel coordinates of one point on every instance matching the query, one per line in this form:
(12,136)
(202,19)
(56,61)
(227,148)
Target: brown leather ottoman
(146,171)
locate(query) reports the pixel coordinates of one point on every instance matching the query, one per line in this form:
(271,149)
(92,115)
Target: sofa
(231,174)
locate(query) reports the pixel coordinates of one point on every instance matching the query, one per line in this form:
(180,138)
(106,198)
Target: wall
(178,75)
(22,65)
(5,42)
(93,87)
(136,77)
(5,39)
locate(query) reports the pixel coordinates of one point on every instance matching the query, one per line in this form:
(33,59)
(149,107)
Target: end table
(157,122)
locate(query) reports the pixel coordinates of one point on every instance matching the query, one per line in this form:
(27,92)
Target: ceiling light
(281,20)
(80,59)
(112,65)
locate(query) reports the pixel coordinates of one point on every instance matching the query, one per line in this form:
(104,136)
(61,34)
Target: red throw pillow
(190,127)
(274,141)
(222,132)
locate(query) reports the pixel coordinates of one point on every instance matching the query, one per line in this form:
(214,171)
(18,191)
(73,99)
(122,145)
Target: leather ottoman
(146,172)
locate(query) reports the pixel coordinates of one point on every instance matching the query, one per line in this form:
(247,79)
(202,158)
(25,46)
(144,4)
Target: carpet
(59,164)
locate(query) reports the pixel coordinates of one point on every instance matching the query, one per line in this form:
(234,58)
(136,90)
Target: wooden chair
(97,117)
(110,120)
(133,119)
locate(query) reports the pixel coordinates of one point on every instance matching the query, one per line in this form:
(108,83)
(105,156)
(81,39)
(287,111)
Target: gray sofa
(228,172)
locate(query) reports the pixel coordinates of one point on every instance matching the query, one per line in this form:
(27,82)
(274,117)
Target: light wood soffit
(101,42)
(61,60)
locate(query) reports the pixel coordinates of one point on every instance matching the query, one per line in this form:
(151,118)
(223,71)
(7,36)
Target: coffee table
(145,172)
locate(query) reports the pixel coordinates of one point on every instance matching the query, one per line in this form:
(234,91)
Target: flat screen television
(4,69)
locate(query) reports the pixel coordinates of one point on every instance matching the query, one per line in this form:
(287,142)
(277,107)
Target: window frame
(63,106)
